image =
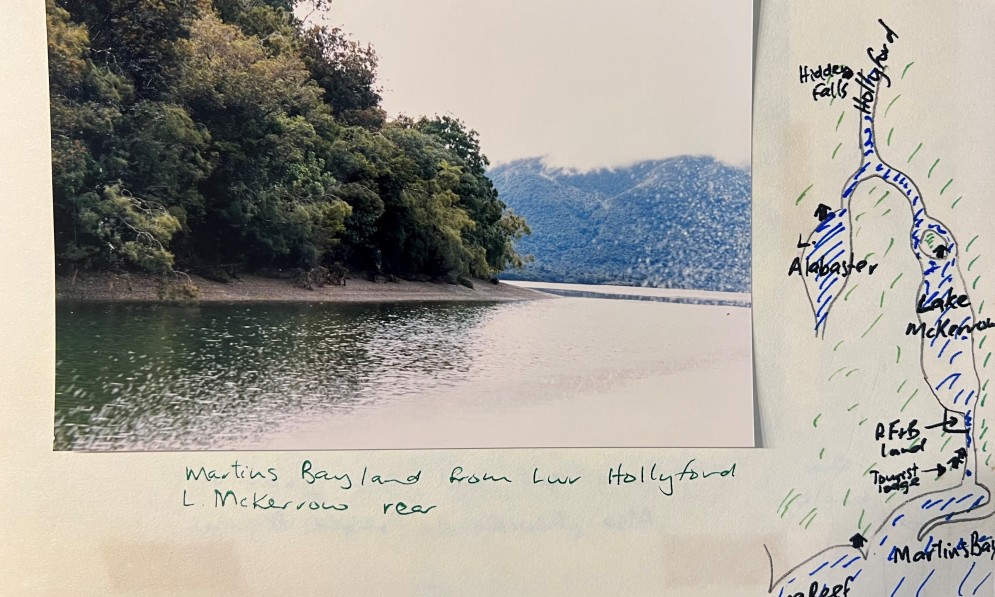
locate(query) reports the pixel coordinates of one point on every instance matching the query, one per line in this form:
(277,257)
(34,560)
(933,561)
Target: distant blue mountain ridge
(681,222)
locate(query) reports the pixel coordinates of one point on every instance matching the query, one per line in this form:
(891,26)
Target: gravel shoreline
(144,288)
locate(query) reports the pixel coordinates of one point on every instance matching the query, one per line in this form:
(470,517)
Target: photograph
(402,224)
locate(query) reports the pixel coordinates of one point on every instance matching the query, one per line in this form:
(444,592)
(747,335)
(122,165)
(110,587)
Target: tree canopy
(190,134)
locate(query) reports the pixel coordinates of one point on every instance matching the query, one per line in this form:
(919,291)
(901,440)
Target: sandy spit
(144,288)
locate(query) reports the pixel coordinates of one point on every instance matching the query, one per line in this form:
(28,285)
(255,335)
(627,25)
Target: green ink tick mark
(811,514)
(930,173)
(914,151)
(802,196)
(880,315)
(788,505)
(909,400)
(890,104)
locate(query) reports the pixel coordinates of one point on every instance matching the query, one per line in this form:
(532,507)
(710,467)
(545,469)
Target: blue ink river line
(949,367)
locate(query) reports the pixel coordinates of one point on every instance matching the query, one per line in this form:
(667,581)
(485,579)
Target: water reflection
(151,377)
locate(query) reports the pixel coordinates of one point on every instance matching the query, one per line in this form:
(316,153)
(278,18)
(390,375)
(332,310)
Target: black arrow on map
(948,426)
(822,212)
(940,470)
(946,423)
(959,458)
(941,251)
(858,541)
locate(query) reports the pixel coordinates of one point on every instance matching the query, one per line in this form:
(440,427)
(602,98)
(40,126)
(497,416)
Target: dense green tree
(346,72)
(266,118)
(137,38)
(272,22)
(165,156)
(497,227)
(99,221)
(195,133)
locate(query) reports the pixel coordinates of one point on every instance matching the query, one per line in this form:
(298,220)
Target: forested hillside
(207,136)
(677,223)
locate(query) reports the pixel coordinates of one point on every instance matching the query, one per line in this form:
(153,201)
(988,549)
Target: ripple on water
(135,377)
(168,377)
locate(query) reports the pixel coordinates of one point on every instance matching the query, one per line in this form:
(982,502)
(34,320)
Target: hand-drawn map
(925,524)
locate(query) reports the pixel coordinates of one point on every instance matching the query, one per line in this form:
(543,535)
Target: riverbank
(144,288)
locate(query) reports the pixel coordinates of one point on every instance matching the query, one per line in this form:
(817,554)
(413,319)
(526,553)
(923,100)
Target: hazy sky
(585,83)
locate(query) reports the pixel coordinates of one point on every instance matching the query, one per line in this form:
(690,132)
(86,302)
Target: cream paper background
(114,524)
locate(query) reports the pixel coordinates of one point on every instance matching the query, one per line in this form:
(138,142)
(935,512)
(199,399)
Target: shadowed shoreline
(145,288)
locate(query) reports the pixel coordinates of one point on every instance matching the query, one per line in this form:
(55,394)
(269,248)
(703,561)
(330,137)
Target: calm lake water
(559,372)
